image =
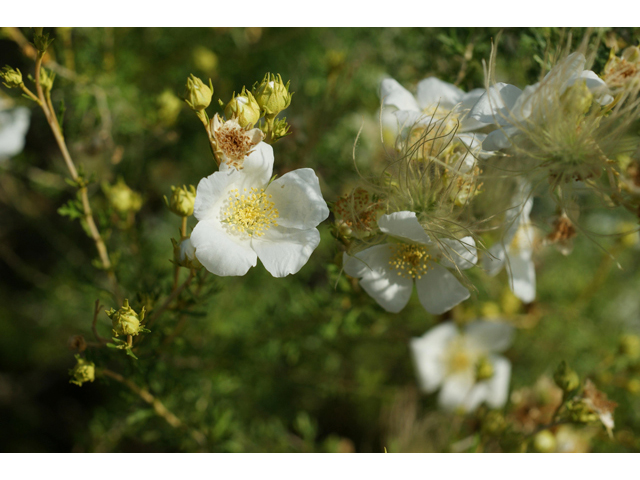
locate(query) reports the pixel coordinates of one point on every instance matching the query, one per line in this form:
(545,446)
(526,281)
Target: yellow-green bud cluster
(84,371)
(11,77)
(566,378)
(125,321)
(122,198)
(244,108)
(46,79)
(272,95)
(198,95)
(182,200)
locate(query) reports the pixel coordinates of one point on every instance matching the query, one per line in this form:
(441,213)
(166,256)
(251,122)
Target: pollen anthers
(410,261)
(249,212)
(234,142)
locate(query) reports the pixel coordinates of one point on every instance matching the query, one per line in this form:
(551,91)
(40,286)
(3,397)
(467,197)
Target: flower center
(249,213)
(234,142)
(410,261)
(521,239)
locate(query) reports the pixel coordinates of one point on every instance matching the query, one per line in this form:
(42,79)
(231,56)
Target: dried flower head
(233,142)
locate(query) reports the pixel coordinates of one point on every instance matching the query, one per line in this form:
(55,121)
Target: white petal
(258,166)
(220,253)
(428,352)
(461,253)
(13,128)
(284,251)
(408,119)
(498,139)
(211,191)
(494,261)
(498,385)
(404,225)
(391,291)
(394,94)
(489,336)
(455,390)
(522,276)
(298,198)
(471,98)
(495,105)
(439,291)
(434,92)
(478,394)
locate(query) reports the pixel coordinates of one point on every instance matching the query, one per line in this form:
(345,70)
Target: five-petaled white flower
(464,364)
(515,252)
(244,216)
(434,101)
(506,105)
(14,123)
(388,271)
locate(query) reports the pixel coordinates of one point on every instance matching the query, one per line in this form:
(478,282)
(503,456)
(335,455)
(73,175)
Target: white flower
(516,251)
(435,100)
(388,271)
(507,105)
(14,123)
(464,364)
(243,216)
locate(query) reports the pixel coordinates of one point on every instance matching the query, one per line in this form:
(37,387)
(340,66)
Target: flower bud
(184,254)
(182,200)
(244,109)
(198,95)
(126,321)
(84,371)
(544,442)
(631,54)
(11,78)
(46,79)
(122,198)
(577,99)
(566,378)
(272,94)
(280,129)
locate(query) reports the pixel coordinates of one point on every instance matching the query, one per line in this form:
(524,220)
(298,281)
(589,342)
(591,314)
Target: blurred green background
(303,363)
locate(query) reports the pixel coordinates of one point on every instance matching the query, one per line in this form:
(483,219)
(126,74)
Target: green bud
(280,129)
(484,369)
(121,197)
(182,200)
(244,109)
(272,94)
(577,99)
(11,77)
(544,442)
(84,371)
(631,54)
(126,321)
(630,346)
(46,79)
(566,378)
(42,41)
(184,254)
(198,95)
(580,412)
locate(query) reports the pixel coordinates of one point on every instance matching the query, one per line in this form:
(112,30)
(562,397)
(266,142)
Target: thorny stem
(157,405)
(45,104)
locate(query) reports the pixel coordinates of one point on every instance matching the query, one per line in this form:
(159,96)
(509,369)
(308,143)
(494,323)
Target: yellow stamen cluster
(410,261)
(249,213)
(521,238)
(458,357)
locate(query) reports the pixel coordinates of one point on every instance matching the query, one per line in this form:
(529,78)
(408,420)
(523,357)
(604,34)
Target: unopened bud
(566,378)
(46,79)
(11,77)
(182,200)
(244,109)
(272,94)
(577,98)
(84,371)
(544,442)
(122,198)
(198,95)
(484,369)
(184,254)
(631,54)
(630,346)
(125,321)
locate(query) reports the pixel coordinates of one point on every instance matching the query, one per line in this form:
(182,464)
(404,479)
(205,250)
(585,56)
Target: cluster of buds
(125,320)
(272,95)
(182,200)
(122,198)
(84,371)
(566,378)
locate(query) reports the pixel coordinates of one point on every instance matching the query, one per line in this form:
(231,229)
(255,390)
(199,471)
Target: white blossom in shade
(515,251)
(244,216)
(14,123)
(388,271)
(435,101)
(506,105)
(464,364)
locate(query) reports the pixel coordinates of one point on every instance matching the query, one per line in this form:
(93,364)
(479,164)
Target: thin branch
(156,313)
